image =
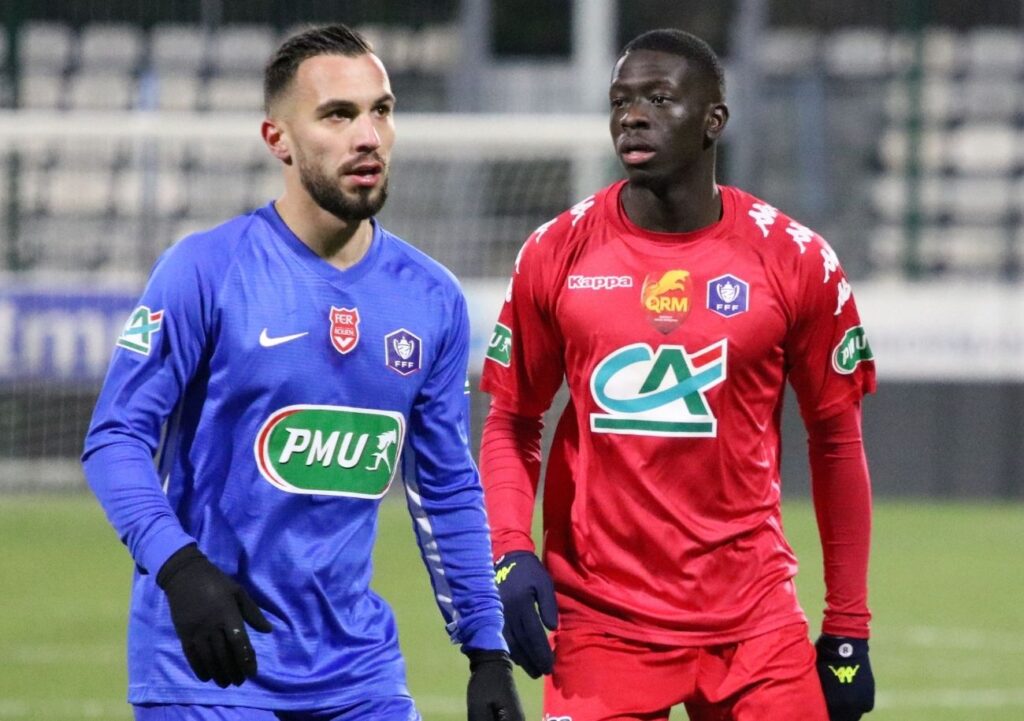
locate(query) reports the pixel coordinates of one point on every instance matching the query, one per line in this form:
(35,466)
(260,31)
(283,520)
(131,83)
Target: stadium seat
(219,195)
(110,48)
(965,249)
(42,91)
(149,193)
(788,52)
(216,155)
(242,49)
(943,52)
(980,200)
(177,92)
(984,147)
(438,48)
(937,97)
(889,197)
(995,50)
(45,48)
(857,53)
(234,93)
(932,150)
(79,192)
(107,91)
(177,49)
(989,98)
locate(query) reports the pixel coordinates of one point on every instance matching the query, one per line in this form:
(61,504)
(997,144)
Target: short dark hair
(684,44)
(334,39)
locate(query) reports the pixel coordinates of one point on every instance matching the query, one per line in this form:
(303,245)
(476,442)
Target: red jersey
(662,516)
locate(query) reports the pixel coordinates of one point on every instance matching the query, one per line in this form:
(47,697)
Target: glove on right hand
(208,608)
(525,586)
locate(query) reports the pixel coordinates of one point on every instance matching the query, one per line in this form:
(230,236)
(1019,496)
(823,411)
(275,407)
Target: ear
(276,139)
(714,124)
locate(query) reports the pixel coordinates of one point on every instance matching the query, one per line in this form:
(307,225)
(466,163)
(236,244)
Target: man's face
(662,115)
(338,117)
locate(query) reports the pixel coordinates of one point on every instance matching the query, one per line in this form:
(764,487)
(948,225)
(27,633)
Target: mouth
(635,152)
(365,174)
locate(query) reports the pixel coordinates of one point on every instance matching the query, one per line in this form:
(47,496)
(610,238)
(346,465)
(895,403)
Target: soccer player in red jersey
(676,309)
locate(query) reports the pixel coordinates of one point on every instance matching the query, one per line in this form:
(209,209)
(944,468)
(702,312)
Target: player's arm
(831,367)
(522,372)
(157,355)
(842,503)
(446,501)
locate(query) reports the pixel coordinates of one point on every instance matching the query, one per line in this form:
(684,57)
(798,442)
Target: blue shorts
(390,708)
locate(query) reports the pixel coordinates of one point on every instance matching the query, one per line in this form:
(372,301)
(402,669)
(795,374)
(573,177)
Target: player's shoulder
(771,230)
(574,225)
(411,265)
(213,249)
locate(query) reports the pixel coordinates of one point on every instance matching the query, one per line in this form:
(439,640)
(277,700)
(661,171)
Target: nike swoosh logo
(267,342)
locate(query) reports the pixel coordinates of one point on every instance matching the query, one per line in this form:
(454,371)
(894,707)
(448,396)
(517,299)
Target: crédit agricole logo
(658,392)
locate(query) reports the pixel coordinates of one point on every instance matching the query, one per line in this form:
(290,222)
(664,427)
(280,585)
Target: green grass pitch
(947,593)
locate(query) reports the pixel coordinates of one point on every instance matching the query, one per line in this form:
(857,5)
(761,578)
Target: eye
(383,110)
(617,102)
(659,99)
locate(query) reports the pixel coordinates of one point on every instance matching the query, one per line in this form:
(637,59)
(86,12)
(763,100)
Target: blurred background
(893,127)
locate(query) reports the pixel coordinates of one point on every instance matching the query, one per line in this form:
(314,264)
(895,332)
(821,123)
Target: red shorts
(598,677)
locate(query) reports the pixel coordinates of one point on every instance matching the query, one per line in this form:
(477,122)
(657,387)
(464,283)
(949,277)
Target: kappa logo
(344,329)
(138,332)
(728,295)
(852,349)
(549,717)
(662,392)
(667,299)
(330,450)
(501,575)
(844,293)
(599,282)
(845,674)
(499,349)
(764,216)
(403,351)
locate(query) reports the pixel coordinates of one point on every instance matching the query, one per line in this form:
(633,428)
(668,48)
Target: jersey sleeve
(156,355)
(524,366)
(828,357)
(446,500)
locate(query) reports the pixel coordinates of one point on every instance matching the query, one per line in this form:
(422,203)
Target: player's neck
(680,207)
(340,243)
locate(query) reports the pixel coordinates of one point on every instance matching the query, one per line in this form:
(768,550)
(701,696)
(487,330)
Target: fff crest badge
(344,329)
(728,295)
(403,351)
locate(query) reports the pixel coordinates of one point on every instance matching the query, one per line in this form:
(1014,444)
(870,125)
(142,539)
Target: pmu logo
(330,450)
(659,392)
(667,299)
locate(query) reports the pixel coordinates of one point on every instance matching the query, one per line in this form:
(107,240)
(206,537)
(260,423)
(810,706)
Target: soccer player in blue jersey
(280,370)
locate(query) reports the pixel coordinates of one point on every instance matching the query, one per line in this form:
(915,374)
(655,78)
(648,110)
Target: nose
(632,116)
(367,138)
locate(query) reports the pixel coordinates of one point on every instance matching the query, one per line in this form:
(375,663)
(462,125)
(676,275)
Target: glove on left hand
(492,692)
(845,672)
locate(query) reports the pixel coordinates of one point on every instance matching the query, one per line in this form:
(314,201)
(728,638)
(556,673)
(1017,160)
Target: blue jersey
(279,397)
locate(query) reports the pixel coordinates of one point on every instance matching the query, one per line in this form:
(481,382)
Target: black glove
(845,672)
(525,586)
(491,695)
(208,609)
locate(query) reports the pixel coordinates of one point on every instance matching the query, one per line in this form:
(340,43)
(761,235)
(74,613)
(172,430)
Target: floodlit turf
(946,591)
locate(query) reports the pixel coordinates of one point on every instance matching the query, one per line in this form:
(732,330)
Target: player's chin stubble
(325,192)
